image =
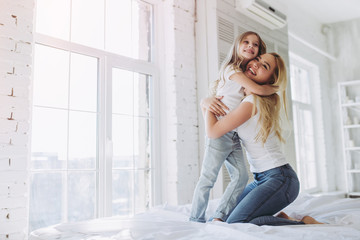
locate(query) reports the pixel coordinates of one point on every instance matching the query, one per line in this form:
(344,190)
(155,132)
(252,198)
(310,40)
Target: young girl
(257,120)
(230,84)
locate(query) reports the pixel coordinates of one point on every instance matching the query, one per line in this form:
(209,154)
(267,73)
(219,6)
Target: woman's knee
(236,219)
(293,189)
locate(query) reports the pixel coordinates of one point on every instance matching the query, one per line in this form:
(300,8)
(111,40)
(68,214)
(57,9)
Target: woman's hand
(214,105)
(267,90)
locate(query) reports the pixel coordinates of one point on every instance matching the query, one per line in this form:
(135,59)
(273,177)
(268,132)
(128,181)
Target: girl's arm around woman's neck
(244,81)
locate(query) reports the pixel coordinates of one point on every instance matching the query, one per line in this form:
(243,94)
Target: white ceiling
(325,11)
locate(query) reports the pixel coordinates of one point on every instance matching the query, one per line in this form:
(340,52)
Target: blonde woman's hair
(269,106)
(234,60)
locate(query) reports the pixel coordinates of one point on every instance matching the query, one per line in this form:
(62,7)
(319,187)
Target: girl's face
(261,68)
(249,47)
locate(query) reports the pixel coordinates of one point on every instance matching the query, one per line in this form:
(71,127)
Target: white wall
(345,41)
(333,48)
(179,144)
(16,47)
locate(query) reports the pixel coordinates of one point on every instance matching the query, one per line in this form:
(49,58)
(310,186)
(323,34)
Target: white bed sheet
(341,215)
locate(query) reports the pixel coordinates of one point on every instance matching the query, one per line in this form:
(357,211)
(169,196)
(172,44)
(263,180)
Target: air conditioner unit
(262,13)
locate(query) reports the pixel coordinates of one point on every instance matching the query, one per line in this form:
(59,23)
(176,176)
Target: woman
(257,118)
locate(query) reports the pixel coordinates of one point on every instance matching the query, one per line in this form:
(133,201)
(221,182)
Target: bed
(341,215)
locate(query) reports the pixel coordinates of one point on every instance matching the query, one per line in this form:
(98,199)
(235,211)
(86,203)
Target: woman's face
(261,68)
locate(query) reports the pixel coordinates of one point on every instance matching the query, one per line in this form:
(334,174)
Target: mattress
(340,215)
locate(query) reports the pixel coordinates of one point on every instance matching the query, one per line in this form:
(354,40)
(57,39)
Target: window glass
(300,85)
(51,77)
(82,140)
(81,196)
(53,18)
(122,91)
(119,27)
(46,205)
(129,26)
(83,82)
(123,141)
(122,192)
(123,27)
(49,138)
(303,112)
(87,23)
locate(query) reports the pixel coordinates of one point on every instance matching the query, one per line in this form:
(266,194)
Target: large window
(93,110)
(305,93)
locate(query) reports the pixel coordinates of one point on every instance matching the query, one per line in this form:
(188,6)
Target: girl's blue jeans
(270,192)
(217,151)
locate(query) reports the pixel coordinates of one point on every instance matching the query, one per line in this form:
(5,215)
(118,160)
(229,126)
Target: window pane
(118,27)
(83,82)
(82,140)
(122,91)
(46,194)
(142,190)
(129,28)
(122,192)
(130,92)
(49,138)
(81,196)
(142,144)
(300,84)
(123,141)
(51,77)
(53,18)
(307,133)
(87,23)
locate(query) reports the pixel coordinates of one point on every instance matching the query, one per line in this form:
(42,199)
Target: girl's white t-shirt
(232,91)
(261,157)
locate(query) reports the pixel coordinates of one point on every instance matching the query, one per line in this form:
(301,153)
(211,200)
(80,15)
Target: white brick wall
(16,44)
(180,141)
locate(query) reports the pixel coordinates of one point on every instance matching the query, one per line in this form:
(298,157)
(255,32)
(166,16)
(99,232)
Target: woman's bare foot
(310,220)
(284,215)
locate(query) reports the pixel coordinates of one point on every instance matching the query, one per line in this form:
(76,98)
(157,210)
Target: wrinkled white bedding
(341,215)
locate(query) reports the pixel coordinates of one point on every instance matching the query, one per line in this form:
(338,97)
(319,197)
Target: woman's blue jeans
(270,192)
(218,150)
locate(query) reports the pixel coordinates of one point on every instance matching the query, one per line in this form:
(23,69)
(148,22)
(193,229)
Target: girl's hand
(214,105)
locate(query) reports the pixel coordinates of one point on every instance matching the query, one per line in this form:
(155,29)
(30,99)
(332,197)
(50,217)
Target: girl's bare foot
(217,220)
(310,220)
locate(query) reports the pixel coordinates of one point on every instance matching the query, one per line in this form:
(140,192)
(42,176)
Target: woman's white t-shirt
(261,157)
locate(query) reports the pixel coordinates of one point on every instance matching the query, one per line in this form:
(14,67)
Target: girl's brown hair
(234,60)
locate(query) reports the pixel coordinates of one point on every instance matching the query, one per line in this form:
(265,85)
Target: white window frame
(315,108)
(106,61)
